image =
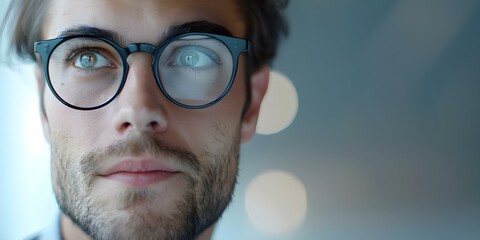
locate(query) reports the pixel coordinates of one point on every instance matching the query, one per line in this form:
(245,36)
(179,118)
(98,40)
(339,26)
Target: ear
(259,85)
(41,87)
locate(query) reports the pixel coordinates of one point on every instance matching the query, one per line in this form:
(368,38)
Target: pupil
(88,60)
(190,58)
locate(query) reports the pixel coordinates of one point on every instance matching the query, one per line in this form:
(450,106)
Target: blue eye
(91,60)
(194,57)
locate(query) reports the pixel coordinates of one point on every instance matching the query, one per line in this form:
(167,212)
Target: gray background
(387,136)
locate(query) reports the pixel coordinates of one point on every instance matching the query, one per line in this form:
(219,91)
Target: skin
(141,115)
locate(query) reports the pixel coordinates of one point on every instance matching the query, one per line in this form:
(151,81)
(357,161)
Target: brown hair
(22,26)
(264,20)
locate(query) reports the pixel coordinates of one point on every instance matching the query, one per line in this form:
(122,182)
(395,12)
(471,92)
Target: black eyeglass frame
(235,45)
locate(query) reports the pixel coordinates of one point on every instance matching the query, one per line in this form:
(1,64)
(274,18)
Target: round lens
(195,70)
(85,72)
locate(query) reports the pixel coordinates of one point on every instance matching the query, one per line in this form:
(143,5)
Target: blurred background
(384,144)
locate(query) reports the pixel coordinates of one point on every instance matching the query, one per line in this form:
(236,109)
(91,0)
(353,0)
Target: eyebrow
(197,26)
(175,30)
(89,31)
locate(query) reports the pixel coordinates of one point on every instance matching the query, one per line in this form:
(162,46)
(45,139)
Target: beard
(208,179)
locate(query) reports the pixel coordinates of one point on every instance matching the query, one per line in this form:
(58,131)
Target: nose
(141,105)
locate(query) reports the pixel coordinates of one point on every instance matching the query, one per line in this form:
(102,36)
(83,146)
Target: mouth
(139,173)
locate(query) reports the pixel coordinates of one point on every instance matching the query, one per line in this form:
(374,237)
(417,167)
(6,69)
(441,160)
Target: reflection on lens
(85,72)
(195,70)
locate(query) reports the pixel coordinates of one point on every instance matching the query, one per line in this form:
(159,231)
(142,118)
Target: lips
(139,173)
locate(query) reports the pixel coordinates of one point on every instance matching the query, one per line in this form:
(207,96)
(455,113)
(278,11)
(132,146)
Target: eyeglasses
(193,70)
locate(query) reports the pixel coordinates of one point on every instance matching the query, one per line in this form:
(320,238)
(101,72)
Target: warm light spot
(280,105)
(276,202)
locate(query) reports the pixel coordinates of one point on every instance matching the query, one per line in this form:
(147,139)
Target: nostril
(153,124)
(125,126)
(157,127)
(139,119)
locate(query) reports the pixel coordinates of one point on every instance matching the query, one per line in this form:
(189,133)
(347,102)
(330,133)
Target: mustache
(140,144)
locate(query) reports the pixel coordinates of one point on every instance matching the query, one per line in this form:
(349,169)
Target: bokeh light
(276,202)
(280,105)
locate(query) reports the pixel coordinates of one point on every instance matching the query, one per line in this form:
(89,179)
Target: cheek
(204,128)
(73,130)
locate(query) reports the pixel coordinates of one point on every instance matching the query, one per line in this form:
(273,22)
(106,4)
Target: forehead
(140,21)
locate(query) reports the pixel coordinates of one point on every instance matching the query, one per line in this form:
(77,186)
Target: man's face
(143,167)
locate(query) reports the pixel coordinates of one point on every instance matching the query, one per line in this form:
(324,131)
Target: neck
(70,231)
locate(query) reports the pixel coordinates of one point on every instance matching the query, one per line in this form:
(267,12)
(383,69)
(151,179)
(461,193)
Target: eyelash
(75,51)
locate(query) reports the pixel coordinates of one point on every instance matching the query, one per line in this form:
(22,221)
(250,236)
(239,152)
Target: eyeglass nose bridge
(145,48)
(140,47)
